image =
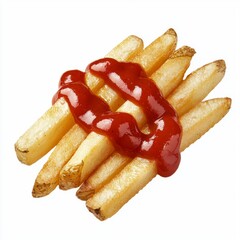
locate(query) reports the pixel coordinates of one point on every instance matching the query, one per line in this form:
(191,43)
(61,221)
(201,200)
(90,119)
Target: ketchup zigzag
(130,81)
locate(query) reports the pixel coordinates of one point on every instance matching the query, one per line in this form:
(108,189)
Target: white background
(42,39)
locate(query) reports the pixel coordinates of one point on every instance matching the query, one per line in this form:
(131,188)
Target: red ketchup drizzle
(130,81)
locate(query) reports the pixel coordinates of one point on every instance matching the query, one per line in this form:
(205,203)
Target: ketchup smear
(130,81)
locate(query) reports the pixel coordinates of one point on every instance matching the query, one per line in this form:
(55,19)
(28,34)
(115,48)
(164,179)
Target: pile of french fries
(105,178)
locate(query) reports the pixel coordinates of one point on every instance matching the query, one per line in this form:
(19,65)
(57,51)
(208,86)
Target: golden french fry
(44,134)
(139,172)
(127,49)
(47,131)
(47,179)
(214,71)
(199,120)
(157,52)
(95,148)
(115,194)
(167,77)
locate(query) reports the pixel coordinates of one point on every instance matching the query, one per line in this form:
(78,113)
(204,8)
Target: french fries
(106,179)
(206,78)
(96,148)
(47,131)
(200,119)
(167,78)
(199,83)
(81,165)
(139,172)
(48,178)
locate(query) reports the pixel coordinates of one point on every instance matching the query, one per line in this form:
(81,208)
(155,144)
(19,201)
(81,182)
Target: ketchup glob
(130,81)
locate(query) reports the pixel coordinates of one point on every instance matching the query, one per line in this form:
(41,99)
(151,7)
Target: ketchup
(130,81)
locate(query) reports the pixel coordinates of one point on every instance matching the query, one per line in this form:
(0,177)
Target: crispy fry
(157,52)
(139,172)
(82,164)
(47,131)
(47,179)
(44,134)
(214,71)
(167,77)
(200,119)
(95,148)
